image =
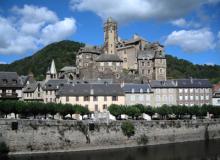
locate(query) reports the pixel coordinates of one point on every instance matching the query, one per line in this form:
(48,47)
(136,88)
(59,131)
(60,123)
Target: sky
(188,29)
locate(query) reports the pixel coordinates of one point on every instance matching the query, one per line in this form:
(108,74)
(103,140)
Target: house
(194,92)
(33,91)
(10,86)
(96,97)
(164,92)
(137,94)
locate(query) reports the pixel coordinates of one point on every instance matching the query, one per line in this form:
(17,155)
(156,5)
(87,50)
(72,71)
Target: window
(148,63)
(180,90)
(96,108)
(95,98)
(191,90)
(185,90)
(186,97)
(161,70)
(125,59)
(132,90)
(141,97)
(197,98)
(148,71)
(86,98)
(142,63)
(218,101)
(105,98)
(77,98)
(207,97)
(141,90)
(51,100)
(142,71)
(191,97)
(132,98)
(181,97)
(67,98)
(101,63)
(38,94)
(110,63)
(158,98)
(104,107)
(202,97)
(114,98)
(117,64)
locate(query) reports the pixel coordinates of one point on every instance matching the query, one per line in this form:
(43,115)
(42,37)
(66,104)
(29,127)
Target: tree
(116,110)
(133,111)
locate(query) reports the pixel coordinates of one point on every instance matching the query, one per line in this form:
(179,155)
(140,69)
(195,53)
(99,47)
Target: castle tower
(110,36)
(52,72)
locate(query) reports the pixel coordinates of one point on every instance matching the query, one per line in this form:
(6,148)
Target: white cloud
(181,22)
(32,26)
(126,10)
(192,40)
(61,28)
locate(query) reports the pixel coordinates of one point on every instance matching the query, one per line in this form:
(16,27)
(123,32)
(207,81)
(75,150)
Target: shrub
(3,148)
(143,139)
(128,129)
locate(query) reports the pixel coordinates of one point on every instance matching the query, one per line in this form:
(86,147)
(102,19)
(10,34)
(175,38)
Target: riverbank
(38,136)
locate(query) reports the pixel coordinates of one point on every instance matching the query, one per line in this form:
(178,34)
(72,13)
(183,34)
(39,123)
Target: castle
(122,60)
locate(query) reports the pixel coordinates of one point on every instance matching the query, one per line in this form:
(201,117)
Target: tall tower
(52,72)
(110,36)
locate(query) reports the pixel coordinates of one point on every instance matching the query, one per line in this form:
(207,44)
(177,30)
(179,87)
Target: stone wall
(25,136)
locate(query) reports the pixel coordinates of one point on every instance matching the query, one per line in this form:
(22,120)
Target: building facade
(10,86)
(164,92)
(194,92)
(137,94)
(95,97)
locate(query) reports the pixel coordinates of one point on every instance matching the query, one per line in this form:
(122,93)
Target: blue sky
(189,29)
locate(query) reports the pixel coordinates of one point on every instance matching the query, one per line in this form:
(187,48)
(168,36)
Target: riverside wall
(36,136)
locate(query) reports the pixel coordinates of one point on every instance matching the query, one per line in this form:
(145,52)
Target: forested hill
(180,68)
(64,53)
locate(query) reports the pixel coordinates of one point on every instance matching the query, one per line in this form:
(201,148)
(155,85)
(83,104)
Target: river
(182,151)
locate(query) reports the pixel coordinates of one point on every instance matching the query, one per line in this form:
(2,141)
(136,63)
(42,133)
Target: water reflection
(182,151)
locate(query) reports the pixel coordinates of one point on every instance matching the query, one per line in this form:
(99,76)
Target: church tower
(110,36)
(52,72)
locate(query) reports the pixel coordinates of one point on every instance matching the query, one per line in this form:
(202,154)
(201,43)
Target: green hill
(64,53)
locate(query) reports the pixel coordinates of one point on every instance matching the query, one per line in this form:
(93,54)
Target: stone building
(216,98)
(136,56)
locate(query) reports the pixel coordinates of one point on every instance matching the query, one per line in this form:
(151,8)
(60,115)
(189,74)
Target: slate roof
(10,80)
(136,88)
(181,83)
(32,87)
(163,84)
(68,68)
(194,83)
(54,84)
(108,58)
(91,90)
(149,54)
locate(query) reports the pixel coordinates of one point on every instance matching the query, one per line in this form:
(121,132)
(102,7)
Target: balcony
(9,95)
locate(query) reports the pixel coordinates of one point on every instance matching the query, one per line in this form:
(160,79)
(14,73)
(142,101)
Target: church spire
(52,72)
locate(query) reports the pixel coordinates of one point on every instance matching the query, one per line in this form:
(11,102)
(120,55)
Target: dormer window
(141,90)
(5,81)
(132,90)
(15,81)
